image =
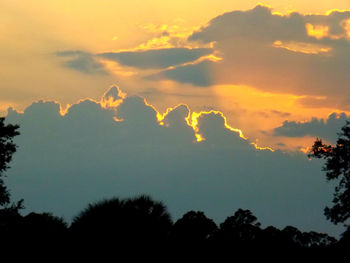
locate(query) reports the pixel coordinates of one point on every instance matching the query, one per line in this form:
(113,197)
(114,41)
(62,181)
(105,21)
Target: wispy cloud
(322,128)
(81,61)
(156,58)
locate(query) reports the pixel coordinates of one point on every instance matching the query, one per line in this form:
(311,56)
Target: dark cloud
(280,113)
(156,92)
(267,114)
(325,102)
(81,61)
(158,58)
(326,129)
(65,162)
(261,24)
(246,40)
(256,24)
(200,74)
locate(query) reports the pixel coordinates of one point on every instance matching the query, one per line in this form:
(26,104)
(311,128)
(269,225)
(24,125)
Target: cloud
(81,61)
(112,97)
(65,162)
(292,53)
(199,74)
(260,23)
(156,58)
(326,129)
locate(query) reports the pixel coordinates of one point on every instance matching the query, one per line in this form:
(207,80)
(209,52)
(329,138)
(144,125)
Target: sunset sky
(188,90)
(260,66)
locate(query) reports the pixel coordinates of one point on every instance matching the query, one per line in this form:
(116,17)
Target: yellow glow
(116,69)
(167,36)
(262,148)
(4,105)
(329,12)
(254,111)
(210,57)
(305,150)
(347,27)
(117,120)
(301,47)
(161,117)
(155,43)
(110,102)
(192,121)
(317,31)
(64,110)
(196,115)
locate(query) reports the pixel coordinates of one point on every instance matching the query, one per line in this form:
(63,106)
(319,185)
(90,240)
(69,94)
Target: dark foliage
(43,225)
(132,222)
(30,232)
(7,149)
(141,228)
(194,228)
(337,168)
(240,230)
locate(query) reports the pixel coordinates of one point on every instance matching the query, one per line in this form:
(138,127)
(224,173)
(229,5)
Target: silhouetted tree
(344,242)
(310,239)
(313,239)
(294,235)
(193,229)
(10,218)
(43,225)
(240,218)
(138,221)
(241,229)
(7,148)
(337,167)
(273,238)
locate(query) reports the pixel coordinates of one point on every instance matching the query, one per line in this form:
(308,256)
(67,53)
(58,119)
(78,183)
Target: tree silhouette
(43,225)
(294,235)
(240,218)
(337,168)
(193,228)
(138,221)
(241,229)
(273,238)
(313,239)
(344,242)
(7,148)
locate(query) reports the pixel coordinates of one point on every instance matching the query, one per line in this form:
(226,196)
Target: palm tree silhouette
(134,222)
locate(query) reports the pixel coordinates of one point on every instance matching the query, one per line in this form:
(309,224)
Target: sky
(275,73)
(261,64)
